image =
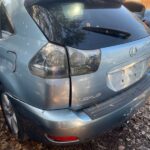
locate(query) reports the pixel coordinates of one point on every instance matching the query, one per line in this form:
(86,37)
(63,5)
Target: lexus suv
(70,69)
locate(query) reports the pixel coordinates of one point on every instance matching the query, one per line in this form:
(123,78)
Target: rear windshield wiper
(107,31)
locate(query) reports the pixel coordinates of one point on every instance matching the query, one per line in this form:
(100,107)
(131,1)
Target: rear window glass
(65,23)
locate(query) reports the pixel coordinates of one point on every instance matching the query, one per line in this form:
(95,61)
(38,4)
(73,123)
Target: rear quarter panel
(26,42)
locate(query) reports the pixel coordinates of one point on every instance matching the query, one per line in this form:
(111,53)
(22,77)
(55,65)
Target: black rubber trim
(99,110)
(70,81)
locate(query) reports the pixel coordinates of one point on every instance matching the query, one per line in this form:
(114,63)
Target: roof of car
(29,3)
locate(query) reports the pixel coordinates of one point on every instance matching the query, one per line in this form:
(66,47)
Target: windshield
(73,23)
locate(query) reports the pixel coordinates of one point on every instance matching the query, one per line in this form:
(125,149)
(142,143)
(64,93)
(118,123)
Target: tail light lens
(50,62)
(84,62)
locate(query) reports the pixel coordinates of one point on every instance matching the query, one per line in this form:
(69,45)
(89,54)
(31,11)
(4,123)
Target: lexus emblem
(133,51)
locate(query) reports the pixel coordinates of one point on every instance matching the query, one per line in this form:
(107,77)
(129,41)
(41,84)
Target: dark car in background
(136,7)
(139,10)
(71,69)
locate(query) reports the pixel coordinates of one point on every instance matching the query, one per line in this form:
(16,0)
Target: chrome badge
(133,51)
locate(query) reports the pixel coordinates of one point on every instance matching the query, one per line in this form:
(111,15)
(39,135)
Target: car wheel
(11,118)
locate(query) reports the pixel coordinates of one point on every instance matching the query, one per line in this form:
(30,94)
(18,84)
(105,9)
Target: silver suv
(71,69)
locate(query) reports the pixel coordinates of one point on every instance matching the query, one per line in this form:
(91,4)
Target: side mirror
(135,7)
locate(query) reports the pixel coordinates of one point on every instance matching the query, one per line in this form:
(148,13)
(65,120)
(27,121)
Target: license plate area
(124,76)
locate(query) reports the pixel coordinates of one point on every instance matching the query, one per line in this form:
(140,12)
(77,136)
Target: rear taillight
(50,62)
(83,61)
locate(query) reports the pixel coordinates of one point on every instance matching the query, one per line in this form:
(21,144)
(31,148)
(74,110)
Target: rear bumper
(81,123)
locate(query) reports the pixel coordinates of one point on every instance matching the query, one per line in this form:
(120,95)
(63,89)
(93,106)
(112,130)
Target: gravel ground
(134,135)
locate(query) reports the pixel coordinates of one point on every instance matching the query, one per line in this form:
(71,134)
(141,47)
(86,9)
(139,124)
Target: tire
(11,118)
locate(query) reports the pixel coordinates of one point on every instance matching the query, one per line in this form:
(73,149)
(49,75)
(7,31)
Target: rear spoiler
(110,3)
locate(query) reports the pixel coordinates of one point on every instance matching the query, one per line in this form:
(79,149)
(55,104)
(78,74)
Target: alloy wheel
(10,114)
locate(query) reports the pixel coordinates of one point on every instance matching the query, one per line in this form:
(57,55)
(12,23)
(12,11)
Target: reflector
(62,138)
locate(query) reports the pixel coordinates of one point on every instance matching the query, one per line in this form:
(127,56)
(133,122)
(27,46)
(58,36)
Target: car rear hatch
(121,66)
(107,47)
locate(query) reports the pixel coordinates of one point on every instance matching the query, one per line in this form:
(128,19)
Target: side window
(6,27)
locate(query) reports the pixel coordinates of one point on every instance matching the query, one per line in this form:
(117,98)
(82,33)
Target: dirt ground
(134,135)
